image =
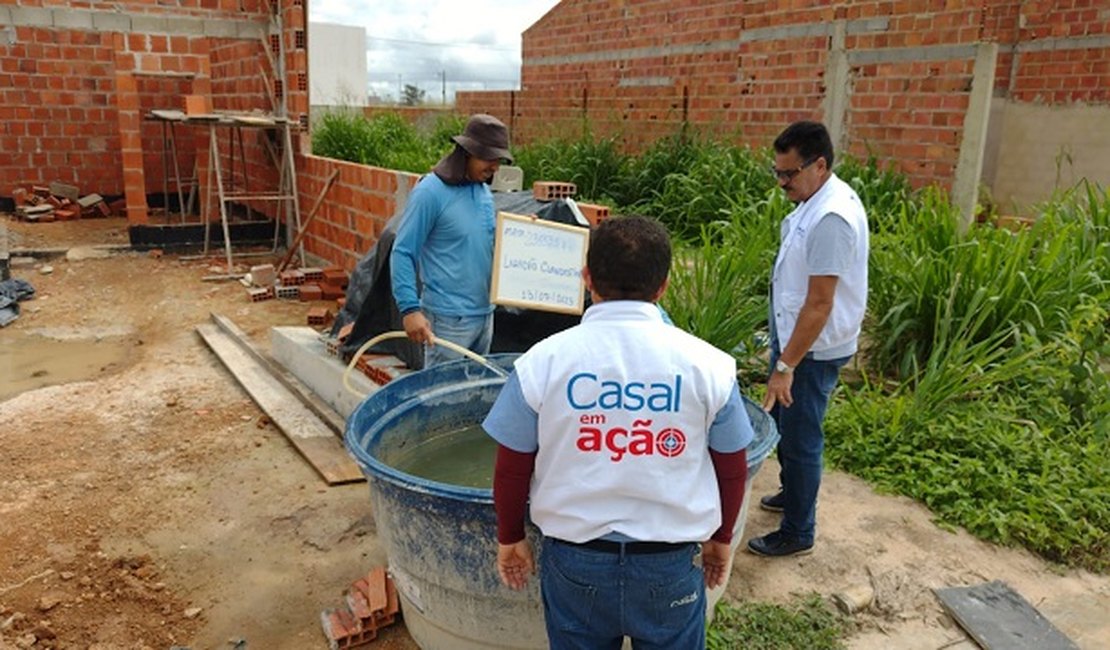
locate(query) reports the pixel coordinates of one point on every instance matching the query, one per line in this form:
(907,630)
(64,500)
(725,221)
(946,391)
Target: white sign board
(538,264)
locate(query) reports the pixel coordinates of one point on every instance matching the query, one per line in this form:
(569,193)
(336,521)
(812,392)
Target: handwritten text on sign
(538,264)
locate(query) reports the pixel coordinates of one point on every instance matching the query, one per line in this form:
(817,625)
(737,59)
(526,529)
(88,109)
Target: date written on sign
(537,264)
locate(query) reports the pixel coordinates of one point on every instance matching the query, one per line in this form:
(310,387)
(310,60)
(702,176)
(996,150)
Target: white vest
(625,403)
(790,278)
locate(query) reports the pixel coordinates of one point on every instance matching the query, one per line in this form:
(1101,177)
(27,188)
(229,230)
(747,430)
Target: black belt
(629,548)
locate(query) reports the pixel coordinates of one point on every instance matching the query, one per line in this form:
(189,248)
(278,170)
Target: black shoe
(773,502)
(778,544)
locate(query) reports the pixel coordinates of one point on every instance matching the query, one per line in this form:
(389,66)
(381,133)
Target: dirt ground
(147,503)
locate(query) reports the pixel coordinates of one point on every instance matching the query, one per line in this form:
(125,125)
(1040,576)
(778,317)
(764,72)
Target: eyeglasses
(789,174)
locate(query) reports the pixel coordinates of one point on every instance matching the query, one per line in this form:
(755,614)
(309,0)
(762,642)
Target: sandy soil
(151,505)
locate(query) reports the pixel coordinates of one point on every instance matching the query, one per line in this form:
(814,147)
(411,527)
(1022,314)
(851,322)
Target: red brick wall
(746,69)
(71,98)
(354,211)
(1063,76)
(57,110)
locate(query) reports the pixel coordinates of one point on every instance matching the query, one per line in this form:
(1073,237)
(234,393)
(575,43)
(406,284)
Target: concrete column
(837,89)
(969,167)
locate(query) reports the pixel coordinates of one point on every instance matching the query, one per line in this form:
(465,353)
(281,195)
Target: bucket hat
(485,138)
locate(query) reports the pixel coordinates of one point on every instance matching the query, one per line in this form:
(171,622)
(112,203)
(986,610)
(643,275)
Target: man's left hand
(778,390)
(714,562)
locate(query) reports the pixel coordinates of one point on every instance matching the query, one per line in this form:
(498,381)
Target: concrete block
(303,353)
(104,21)
(65,190)
(220,29)
(145,24)
(31,17)
(184,26)
(263,275)
(251,30)
(89,200)
(287,293)
(73,19)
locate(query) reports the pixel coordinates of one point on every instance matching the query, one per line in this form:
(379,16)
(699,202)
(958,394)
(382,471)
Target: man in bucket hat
(446,237)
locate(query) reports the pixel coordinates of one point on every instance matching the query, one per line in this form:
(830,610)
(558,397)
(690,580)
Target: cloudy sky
(475,44)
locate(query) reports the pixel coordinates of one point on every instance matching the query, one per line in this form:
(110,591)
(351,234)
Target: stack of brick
(371,604)
(334,284)
(58,202)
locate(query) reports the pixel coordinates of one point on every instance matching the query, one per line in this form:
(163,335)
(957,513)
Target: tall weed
(595,166)
(386,140)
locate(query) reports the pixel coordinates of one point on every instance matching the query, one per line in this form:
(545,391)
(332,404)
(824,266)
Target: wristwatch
(783,367)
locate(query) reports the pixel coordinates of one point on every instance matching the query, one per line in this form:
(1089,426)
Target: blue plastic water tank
(441,539)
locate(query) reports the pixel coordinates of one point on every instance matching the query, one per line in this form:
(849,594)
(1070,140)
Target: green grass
(807,622)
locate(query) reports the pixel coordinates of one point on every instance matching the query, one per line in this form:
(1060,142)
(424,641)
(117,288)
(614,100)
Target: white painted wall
(336,65)
(1038,149)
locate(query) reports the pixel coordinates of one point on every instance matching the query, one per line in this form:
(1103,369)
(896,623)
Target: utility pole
(443,92)
(400,90)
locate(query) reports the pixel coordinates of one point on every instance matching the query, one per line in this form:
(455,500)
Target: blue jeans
(474,333)
(802,444)
(593,599)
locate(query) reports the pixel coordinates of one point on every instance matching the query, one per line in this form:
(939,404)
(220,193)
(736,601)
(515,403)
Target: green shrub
(1010,466)
(930,283)
(807,623)
(386,140)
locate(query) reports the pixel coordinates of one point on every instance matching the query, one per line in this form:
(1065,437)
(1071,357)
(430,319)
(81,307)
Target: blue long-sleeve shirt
(446,234)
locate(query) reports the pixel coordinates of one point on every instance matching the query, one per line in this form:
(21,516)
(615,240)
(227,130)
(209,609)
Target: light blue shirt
(445,236)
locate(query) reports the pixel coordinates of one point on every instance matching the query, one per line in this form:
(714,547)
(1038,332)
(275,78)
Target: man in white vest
(818,296)
(629,437)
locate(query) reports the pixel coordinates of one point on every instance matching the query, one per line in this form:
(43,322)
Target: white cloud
(474,43)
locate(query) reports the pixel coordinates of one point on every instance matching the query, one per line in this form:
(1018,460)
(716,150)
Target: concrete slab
(303,353)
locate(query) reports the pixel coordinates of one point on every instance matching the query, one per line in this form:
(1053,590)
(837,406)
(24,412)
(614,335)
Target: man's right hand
(714,562)
(515,564)
(418,328)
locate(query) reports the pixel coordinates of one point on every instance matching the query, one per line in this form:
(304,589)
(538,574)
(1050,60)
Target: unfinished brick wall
(76,78)
(746,69)
(1063,53)
(57,109)
(354,211)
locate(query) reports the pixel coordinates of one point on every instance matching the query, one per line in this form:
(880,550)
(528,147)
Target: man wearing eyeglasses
(818,296)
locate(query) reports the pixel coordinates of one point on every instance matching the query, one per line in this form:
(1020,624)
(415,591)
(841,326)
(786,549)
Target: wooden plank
(311,437)
(322,409)
(998,618)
